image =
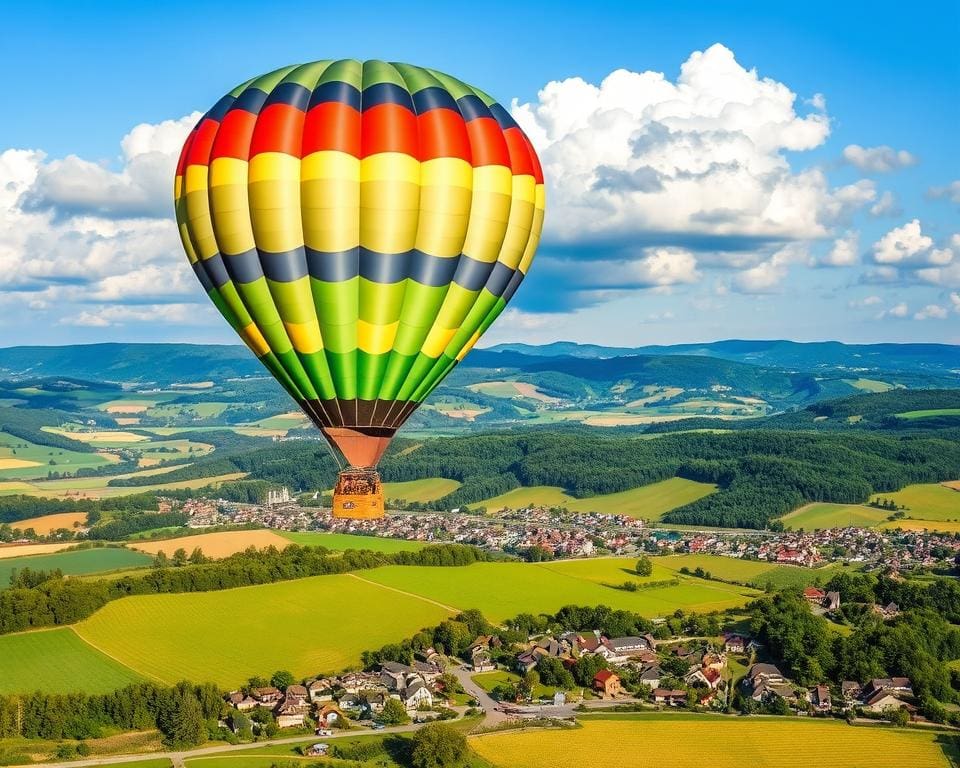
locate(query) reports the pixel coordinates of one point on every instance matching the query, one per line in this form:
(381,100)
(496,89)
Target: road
(179,757)
(493,716)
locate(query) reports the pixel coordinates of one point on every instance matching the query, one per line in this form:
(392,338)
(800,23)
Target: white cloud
(767,276)
(641,156)
(882,159)
(118,315)
(898,311)
(886,205)
(844,252)
(955,302)
(949,192)
(867,301)
(907,245)
(931,311)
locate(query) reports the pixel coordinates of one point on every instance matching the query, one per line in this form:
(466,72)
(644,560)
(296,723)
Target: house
(351,701)
(267,696)
(650,676)
(814,595)
(628,646)
(735,644)
(705,676)
(559,698)
(850,690)
(328,714)
(899,685)
(766,681)
(526,661)
(889,611)
(831,601)
(292,712)
(819,696)
(672,698)
(480,661)
(607,683)
(885,701)
(416,695)
(318,750)
(297,691)
(320,690)
(375,701)
(713,660)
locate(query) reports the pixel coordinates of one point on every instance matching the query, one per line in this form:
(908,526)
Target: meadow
(752,572)
(58,661)
(502,590)
(428,489)
(343,541)
(649,502)
(307,626)
(98,487)
(930,412)
(75,562)
(21,459)
(26,550)
(810,517)
(928,501)
(678,741)
(50,523)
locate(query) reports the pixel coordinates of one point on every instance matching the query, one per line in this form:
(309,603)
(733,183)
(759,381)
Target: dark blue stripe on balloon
(201,273)
(512,285)
(251,100)
(244,267)
(293,94)
(284,267)
(503,118)
(384,268)
(336,91)
(472,107)
(433,98)
(386,93)
(221,108)
(333,267)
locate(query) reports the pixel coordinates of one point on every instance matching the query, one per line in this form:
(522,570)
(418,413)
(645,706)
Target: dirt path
(445,607)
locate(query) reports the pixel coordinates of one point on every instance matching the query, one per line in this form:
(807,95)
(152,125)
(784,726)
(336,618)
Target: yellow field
(21,550)
(907,524)
(953,485)
(17,463)
(127,422)
(97,488)
(128,406)
(104,436)
(926,501)
(48,523)
(677,741)
(219,544)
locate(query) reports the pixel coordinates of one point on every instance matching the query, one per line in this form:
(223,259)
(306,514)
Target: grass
(18,751)
(25,550)
(220,544)
(907,524)
(307,626)
(74,563)
(58,661)
(342,541)
(928,501)
(752,572)
(869,385)
(930,412)
(21,459)
(676,741)
(98,488)
(650,502)
(428,489)
(490,680)
(502,590)
(810,517)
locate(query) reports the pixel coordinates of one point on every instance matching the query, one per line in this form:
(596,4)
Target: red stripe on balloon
(517,144)
(332,126)
(443,133)
(487,144)
(388,128)
(199,152)
(279,128)
(233,138)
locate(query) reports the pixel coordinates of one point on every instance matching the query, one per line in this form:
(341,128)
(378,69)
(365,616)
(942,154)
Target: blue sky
(788,176)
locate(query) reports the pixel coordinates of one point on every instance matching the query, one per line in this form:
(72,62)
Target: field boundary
(110,656)
(448,608)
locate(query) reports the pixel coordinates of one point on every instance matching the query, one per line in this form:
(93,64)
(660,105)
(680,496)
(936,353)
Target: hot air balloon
(359,225)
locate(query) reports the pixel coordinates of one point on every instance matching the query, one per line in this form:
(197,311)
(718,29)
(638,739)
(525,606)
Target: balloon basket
(358,494)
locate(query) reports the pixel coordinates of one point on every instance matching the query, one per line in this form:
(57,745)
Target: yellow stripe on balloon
(330,201)
(468,346)
(195,179)
(532,242)
(177,187)
(390,166)
(518,233)
(446,172)
(437,341)
(376,339)
(330,164)
(305,337)
(254,339)
(227,171)
(524,187)
(541,197)
(493,178)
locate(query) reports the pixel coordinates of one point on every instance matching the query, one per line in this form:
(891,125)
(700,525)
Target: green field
(307,626)
(810,517)
(341,541)
(40,456)
(428,489)
(929,501)
(607,570)
(57,661)
(869,385)
(502,590)
(753,572)
(930,412)
(649,502)
(74,563)
(680,741)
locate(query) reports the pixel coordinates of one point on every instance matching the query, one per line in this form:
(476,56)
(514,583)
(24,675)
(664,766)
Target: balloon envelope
(360,225)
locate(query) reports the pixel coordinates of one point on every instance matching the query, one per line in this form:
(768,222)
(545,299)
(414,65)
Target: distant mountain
(792,355)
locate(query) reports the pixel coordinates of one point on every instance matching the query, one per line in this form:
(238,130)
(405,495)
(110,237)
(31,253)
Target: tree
(644,566)
(187,726)
(282,679)
(586,667)
(438,746)
(242,725)
(394,713)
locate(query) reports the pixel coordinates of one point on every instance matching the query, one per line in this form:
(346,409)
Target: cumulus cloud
(897,311)
(955,302)
(119,315)
(844,252)
(767,276)
(931,311)
(882,159)
(886,205)
(907,245)
(867,301)
(700,161)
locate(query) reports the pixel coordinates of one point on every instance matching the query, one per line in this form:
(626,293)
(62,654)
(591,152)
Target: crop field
(909,524)
(869,385)
(929,501)
(220,544)
(675,741)
(810,517)
(99,437)
(536,588)
(21,459)
(342,541)
(608,570)
(57,661)
(97,488)
(930,412)
(24,550)
(650,502)
(428,489)
(75,562)
(306,626)
(48,523)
